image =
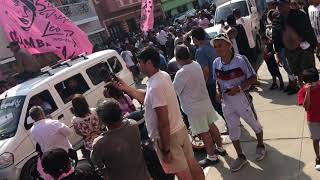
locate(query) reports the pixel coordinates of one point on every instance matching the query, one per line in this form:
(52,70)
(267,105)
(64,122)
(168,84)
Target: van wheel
(29,170)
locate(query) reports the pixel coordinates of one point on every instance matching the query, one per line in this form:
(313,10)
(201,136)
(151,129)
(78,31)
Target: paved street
(290,153)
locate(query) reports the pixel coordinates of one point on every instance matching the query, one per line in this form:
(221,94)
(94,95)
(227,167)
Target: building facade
(123,16)
(175,7)
(83,14)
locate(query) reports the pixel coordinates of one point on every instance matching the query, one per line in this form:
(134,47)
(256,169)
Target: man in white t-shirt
(162,37)
(314,15)
(127,56)
(246,22)
(163,119)
(195,102)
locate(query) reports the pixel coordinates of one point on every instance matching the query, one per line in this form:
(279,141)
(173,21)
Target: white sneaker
(317,166)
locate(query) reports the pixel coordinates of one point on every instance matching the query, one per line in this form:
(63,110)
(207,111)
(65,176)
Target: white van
(17,149)
(247,8)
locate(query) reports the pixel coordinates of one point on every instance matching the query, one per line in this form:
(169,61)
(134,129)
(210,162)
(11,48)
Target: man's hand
(308,87)
(167,158)
(121,85)
(279,59)
(233,91)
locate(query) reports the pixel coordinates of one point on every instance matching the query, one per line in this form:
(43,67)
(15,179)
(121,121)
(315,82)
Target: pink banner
(40,27)
(147,17)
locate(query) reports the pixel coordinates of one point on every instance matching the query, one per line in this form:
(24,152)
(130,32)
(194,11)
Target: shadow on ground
(273,95)
(275,166)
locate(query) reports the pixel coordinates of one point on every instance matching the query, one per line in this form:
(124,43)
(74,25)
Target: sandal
(274,86)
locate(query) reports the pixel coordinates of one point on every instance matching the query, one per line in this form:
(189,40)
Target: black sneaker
(220,152)
(317,166)
(207,162)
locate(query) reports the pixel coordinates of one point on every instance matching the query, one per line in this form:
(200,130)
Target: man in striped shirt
(234,76)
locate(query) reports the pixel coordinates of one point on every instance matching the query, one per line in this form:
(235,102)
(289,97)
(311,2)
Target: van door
(43,97)
(65,89)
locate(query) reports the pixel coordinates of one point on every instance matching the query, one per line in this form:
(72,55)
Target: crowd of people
(189,82)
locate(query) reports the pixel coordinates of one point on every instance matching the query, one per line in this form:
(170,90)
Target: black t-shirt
(242,42)
(81,174)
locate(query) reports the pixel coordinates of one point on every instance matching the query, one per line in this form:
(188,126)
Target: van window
(44,100)
(95,73)
(73,85)
(115,64)
(10,111)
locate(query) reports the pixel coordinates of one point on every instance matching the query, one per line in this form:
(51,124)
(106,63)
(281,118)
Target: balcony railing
(77,11)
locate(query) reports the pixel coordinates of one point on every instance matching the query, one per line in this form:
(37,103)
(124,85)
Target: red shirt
(313,114)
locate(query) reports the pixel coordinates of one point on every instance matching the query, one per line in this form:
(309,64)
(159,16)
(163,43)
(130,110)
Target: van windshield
(10,110)
(223,12)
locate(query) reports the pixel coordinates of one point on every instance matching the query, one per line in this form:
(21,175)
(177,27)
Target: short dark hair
(80,106)
(182,52)
(109,111)
(236,12)
(198,33)
(310,75)
(54,161)
(35,112)
(113,91)
(231,20)
(150,54)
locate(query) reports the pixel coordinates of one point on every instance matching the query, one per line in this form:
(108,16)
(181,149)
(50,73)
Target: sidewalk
(290,153)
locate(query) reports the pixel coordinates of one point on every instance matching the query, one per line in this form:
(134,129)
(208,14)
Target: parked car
(18,155)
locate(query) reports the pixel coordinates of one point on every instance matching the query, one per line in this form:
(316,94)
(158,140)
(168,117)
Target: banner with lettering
(147,16)
(40,27)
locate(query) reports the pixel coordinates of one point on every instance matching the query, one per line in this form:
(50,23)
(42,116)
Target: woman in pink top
(85,120)
(125,101)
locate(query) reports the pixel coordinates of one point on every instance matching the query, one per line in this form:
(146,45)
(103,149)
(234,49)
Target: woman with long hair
(85,120)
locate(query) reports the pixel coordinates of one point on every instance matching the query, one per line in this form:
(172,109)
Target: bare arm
(244,85)
(138,94)
(306,103)
(247,83)
(206,71)
(164,127)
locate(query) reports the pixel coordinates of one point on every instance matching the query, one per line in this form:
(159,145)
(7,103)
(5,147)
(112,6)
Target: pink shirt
(204,23)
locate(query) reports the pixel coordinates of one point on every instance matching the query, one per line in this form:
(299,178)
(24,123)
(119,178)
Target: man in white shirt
(163,119)
(127,56)
(48,133)
(196,104)
(162,37)
(246,22)
(314,15)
